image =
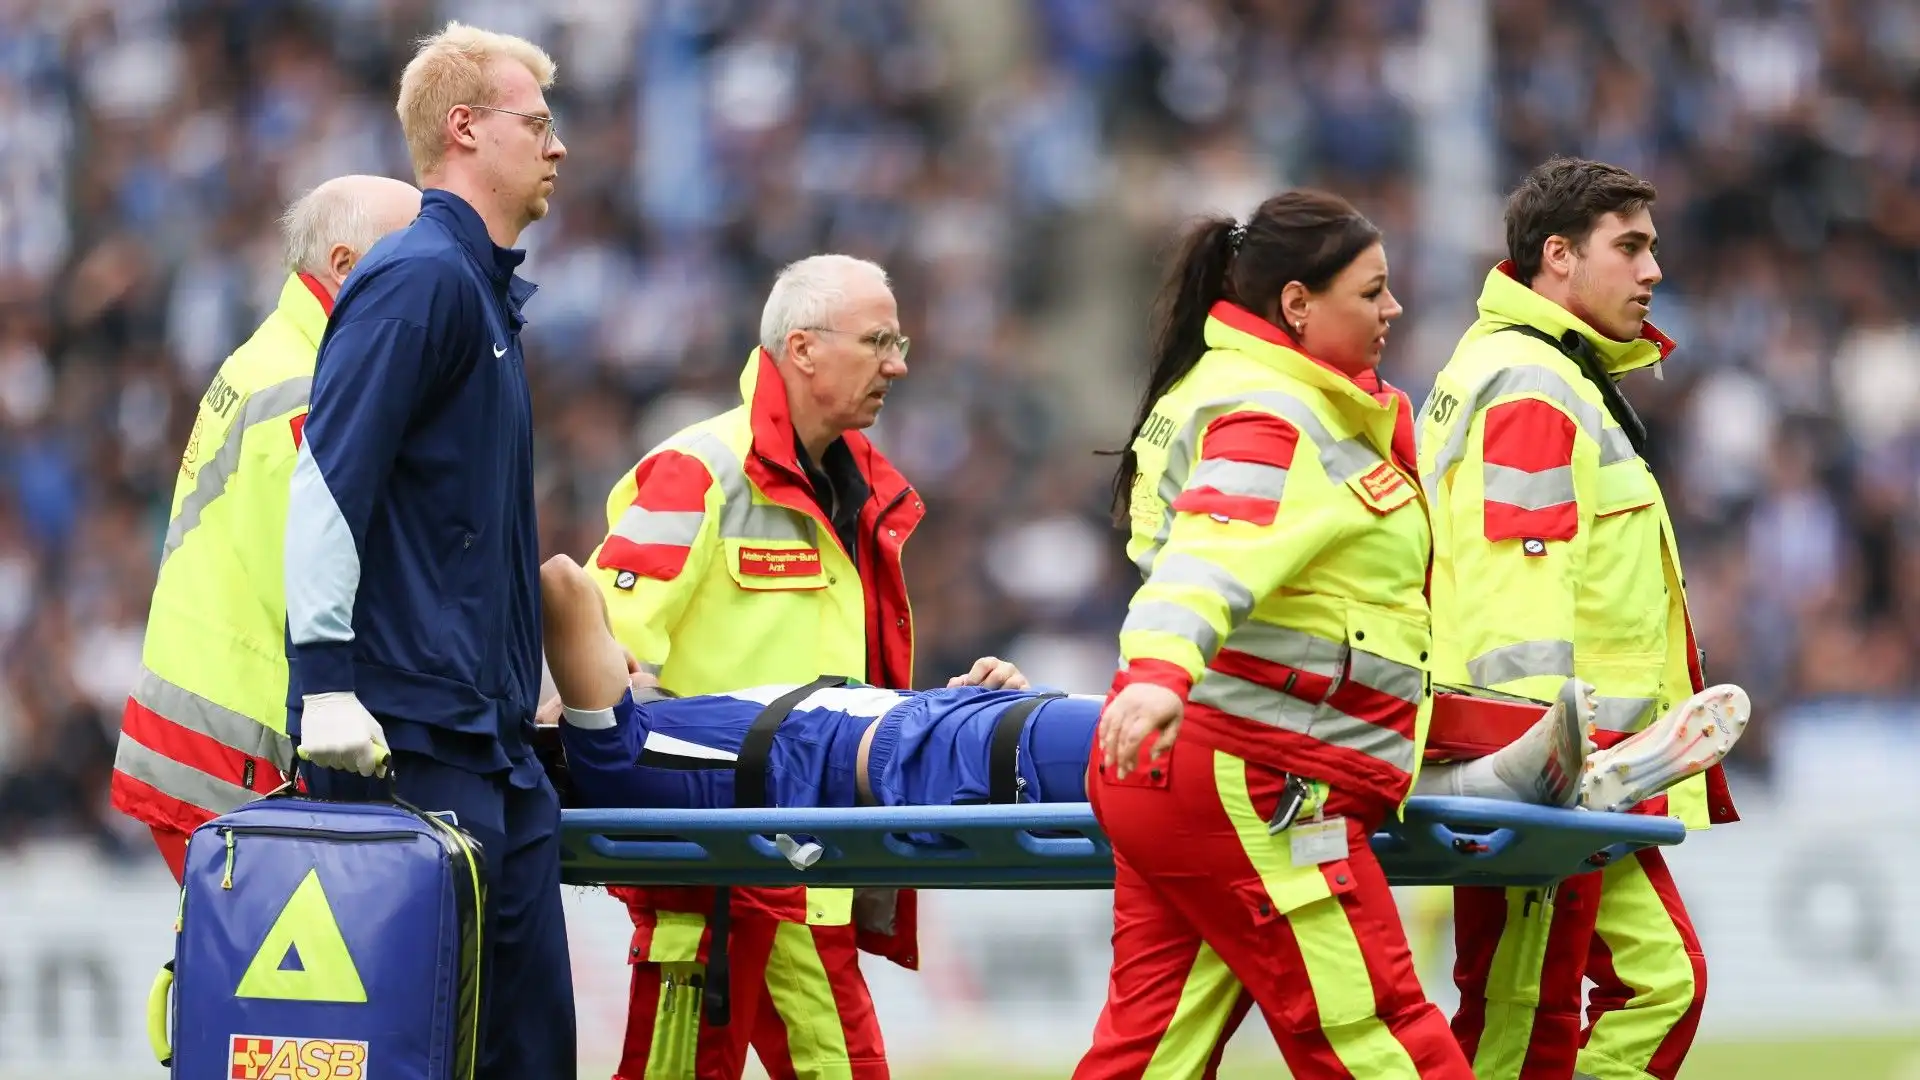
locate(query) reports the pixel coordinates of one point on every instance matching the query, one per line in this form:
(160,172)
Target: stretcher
(1438,841)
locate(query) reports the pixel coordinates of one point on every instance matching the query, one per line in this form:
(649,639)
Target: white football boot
(1568,755)
(1687,741)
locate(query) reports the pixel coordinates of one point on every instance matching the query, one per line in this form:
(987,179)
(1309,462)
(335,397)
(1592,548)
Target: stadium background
(1018,166)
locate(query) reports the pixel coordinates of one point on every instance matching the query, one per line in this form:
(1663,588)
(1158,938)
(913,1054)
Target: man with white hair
(413,603)
(763,546)
(204,729)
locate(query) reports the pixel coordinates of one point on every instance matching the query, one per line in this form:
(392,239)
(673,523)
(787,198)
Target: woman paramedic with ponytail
(1282,632)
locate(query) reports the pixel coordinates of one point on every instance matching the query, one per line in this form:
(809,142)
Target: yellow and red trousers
(1522,955)
(798,999)
(1211,912)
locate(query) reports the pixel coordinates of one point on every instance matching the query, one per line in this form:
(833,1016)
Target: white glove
(337,732)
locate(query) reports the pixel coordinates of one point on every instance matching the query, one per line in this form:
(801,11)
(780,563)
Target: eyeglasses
(546,122)
(881,341)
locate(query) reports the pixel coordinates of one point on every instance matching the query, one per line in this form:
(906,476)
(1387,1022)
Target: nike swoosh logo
(499,351)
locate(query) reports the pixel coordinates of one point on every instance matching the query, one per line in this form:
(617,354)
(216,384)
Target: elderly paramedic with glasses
(763,546)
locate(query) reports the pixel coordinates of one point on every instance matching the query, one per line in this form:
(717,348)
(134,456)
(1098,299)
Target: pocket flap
(1298,887)
(1624,486)
(671,937)
(1398,636)
(774,564)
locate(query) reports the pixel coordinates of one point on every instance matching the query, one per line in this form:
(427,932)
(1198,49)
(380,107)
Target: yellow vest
(1598,592)
(1285,558)
(215,654)
(720,573)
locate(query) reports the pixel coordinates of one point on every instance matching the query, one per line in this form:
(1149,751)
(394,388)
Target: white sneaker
(1687,741)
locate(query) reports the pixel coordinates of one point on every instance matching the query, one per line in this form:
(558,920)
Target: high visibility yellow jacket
(1284,545)
(721,571)
(1553,551)
(205,728)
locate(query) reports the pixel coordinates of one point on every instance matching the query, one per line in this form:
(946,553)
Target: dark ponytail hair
(1304,236)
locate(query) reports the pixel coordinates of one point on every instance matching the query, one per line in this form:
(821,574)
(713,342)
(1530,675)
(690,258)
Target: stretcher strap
(749,792)
(1003,753)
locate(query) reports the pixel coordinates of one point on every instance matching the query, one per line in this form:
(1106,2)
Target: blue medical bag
(325,939)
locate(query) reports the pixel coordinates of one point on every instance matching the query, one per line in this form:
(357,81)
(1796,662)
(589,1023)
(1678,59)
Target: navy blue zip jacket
(412,559)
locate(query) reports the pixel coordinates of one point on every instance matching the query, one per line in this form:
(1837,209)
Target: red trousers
(1208,906)
(798,999)
(1522,956)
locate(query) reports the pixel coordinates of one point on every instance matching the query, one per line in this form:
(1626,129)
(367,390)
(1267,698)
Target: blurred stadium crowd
(1017,165)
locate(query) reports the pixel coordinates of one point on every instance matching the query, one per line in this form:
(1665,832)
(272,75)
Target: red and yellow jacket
(1278,521)
(1554,555)
(720,571)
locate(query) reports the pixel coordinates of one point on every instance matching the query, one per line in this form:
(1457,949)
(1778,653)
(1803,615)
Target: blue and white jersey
(931,748)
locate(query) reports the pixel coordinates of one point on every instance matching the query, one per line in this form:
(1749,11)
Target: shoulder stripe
(1548,384)
(267,403)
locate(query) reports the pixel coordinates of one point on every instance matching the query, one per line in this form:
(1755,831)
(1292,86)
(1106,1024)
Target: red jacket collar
(1648,331)
(1369,380)
(765,395)
(319,292)
(1254,326)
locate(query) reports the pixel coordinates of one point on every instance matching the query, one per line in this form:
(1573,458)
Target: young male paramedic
(1554,557)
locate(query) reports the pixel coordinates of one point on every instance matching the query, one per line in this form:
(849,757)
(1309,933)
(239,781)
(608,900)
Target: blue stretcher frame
(1439,841)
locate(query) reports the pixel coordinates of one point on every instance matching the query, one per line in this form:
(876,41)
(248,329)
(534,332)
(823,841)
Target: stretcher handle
(157,1016)
(1474,842)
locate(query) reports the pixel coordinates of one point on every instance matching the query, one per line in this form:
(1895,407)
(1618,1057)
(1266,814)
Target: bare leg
(589,668)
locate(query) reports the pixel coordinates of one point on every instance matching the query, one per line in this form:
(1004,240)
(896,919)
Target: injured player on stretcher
(842,744)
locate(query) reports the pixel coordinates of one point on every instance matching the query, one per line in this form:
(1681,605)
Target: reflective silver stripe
(262,405)
(1294,648)
(1622,713)
(1389,677)
(1165,617)
(1373,740)
(1190,571)
(1241,478)
(1521,660)
(1342,459)
(1530,379)
(1251,701)
(179,781)
(217,722)
(1529,490)
(740,517)
(677,527)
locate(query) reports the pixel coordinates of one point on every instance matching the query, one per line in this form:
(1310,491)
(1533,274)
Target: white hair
(329,214)
(807,294)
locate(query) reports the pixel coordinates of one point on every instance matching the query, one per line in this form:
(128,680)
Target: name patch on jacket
(778,562)
(1382,488)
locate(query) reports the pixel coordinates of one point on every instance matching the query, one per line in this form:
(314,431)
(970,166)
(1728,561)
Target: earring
(1300,328)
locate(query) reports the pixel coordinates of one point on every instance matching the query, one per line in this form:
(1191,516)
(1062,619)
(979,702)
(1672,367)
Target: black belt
(1003,751)
(750,791)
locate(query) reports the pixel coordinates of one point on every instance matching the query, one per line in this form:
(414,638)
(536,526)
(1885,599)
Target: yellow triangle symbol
(307,928)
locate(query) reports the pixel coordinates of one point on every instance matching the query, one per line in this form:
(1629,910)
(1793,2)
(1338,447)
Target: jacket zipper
(333,836)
